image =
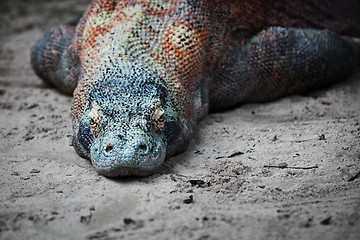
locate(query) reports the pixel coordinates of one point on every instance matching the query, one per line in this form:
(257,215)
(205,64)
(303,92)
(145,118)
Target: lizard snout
(139,154)
(141,147)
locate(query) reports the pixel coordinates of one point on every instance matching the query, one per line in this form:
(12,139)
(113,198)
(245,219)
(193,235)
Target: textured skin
(143,73)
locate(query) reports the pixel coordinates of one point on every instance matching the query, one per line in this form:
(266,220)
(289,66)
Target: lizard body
(143,73)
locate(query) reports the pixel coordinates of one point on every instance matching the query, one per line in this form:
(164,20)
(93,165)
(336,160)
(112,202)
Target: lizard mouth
(140,159)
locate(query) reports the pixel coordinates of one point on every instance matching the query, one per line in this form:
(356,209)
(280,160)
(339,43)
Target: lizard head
(127,126)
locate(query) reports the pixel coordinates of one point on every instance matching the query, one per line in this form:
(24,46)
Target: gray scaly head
(128,125)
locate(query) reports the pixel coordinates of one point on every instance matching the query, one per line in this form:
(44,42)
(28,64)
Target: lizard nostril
(108,148)
(143,147)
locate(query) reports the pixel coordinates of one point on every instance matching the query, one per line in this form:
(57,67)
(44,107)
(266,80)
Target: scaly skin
(143,73)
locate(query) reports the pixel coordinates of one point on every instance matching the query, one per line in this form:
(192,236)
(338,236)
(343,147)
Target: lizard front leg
(55,61)
(282,61)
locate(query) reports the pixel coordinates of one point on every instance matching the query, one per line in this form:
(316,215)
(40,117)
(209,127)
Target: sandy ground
(282,170)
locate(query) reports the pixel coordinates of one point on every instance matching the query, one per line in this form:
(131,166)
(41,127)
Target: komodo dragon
(143,73)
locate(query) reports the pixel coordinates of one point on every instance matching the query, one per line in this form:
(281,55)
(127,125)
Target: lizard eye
(161,119)
(158,116)
(92,123)
(95,119)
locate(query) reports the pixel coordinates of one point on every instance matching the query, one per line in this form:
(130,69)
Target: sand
(280,170)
